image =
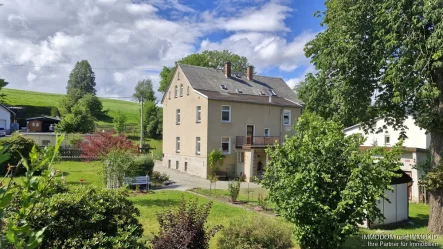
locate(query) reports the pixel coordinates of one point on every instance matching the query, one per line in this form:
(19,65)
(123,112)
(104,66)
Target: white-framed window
(177,117)
(176,91)
(181,90)
(169,94)
(286,117)
(241,157)
(177,163)
(198,118)
(197,145)
(267,132)
(37,124)
(387,139)
(33,124)
(226,145)
(187,91)
(226,113)
(177,144)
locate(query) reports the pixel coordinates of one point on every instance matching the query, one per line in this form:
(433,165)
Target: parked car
(2,132)
(51,127)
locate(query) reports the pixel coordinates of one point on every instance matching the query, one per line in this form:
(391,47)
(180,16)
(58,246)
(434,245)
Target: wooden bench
(138,180)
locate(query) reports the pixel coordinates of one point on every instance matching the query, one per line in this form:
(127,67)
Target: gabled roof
(9,110)
(44,118)
(208,81)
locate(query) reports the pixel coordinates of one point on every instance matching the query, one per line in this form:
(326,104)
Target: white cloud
(295,81)
(269,17)
(265,50)
(140,8)
(127,38)
(31,77)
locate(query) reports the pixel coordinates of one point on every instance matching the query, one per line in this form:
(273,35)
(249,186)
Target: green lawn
(419,215)
(243,196)
(159,201)
(221,213)
(74,171)
(38,103)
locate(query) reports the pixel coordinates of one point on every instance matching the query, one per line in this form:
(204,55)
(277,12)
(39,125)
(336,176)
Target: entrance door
(250,134)
(409,173)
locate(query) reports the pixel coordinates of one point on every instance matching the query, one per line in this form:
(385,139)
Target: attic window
(272,92)
(239,91)
(223,87)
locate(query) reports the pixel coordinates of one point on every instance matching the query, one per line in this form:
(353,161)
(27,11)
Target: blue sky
(128,40)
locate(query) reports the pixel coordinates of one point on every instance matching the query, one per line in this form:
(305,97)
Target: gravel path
(184,181)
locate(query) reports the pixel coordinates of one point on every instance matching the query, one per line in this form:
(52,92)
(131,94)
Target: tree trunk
(435,224)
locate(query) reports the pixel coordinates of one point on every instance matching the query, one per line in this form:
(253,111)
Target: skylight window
(224,87)
(272,92)
(239,91)
(262,93)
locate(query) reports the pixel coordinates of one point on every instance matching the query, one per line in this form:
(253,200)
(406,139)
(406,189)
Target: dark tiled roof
(44,118)
(403,178)
(257,99)
(209,79)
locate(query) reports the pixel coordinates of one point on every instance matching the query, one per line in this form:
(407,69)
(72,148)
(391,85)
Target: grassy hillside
(38,103)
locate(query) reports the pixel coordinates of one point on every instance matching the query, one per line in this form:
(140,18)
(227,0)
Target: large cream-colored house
(205,109)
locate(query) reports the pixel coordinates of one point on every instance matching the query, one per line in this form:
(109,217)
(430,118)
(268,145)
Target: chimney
(270,98)
(228,69)
(250,72)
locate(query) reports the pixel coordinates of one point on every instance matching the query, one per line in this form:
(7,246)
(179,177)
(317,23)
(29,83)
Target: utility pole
(141,126)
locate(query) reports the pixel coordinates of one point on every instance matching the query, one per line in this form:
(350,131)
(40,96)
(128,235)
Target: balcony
(255,141)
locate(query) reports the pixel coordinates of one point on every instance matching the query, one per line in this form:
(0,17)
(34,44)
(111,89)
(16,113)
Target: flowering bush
(184,227)
(101,143)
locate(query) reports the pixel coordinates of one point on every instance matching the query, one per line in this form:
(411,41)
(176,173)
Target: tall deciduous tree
(153,121)
(212,59)
(319,181)
(383,59)
(79,120)
(144,91)
(3,83)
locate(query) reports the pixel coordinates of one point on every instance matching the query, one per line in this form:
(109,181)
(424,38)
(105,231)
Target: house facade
(240,114)
(415,149)
(7,117)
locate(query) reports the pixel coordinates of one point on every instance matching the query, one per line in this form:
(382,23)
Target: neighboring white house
(397,208)
(5,117)
(415,148)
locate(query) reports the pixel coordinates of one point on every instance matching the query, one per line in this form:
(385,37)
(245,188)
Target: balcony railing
(256,141)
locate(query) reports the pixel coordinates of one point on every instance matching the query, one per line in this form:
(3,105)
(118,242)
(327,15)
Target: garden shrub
(234,190)
(18,144)
(118,164)
(88,217)
(184,227)
(143,165)
(256,233)
(75,139)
